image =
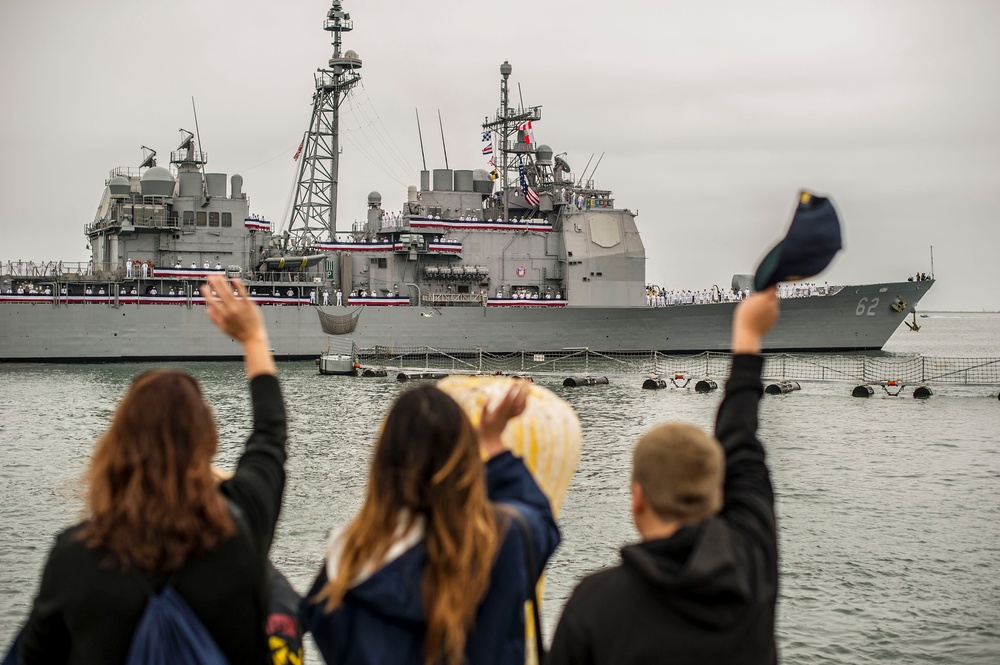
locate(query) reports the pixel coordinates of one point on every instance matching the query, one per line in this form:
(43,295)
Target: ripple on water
(887,508)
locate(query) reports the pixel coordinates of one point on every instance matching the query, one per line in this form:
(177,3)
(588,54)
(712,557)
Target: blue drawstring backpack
(169,633)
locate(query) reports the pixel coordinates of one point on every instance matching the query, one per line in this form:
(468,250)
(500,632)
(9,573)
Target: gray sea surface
(888,507)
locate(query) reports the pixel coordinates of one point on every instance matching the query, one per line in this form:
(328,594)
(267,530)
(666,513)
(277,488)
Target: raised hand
(236,315)
(496,416)
(753,318)
(240,318)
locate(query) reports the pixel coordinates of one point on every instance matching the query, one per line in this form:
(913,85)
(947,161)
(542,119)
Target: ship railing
(450,298)
(184,156)
(127,171)
(820,367)
(37,269)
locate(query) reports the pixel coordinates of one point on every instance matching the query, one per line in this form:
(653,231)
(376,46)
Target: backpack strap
(518,518)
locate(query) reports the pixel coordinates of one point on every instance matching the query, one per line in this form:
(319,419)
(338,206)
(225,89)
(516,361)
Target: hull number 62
(866,308)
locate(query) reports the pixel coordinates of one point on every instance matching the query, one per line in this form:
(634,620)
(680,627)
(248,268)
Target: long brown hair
(427,462)
(152,498)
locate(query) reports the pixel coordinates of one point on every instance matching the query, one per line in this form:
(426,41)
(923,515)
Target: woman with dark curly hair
(156,515)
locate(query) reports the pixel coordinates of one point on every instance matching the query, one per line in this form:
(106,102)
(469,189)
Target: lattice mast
(314,209)
(507,124)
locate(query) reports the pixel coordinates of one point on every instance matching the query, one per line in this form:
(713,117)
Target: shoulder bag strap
(533,573)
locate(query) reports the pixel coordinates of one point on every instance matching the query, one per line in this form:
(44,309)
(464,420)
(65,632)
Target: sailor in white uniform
(340,297)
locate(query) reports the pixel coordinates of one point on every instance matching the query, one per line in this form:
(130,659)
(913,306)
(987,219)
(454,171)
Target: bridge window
(189,218)
(213,219)
(202,218)
(227,220)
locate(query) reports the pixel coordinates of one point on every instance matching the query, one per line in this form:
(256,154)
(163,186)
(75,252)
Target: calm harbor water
(888,507)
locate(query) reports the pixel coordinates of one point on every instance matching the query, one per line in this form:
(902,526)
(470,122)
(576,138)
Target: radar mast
(314,209)
(507,124)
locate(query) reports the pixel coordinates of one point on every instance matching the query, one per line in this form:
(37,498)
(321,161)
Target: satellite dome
(544,155)
(157,181)
(374,199)
(481,181)
(351,55)
(119,186)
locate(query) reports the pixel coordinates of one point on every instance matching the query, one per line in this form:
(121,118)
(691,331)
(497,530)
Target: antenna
(421,137)
(186,141)
(595,166)
(585,169)
(519,95)
(148,160)
(932,261)
(204,183)
(443,146)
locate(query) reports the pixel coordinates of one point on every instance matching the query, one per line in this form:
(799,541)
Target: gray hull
(855,318)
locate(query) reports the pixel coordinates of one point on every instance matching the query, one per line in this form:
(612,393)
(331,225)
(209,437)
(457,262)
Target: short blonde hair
(680,469)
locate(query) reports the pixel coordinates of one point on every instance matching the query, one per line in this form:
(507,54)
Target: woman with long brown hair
(156,515)
(431,570)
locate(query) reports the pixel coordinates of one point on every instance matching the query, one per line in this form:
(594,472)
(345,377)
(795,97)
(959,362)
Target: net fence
(783,366)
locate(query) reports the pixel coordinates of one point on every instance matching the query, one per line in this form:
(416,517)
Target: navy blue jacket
(381,620)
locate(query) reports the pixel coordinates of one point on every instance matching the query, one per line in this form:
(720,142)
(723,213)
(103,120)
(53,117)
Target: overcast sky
(710,115)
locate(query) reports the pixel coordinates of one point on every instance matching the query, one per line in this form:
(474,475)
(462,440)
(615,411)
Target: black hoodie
(707,593)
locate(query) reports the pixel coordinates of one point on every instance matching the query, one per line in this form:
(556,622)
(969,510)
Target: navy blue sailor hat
(812,240)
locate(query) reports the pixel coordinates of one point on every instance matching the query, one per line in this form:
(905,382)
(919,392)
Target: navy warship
(525,255)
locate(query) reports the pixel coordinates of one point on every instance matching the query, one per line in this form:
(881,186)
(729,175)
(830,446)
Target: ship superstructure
(523,255)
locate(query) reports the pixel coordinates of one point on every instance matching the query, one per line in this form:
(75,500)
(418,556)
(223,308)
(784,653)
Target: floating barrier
(373,372)
(579,381)
(654,383)
(893,388)
(922,392)
(680,377)
(680,371)
(782,387)
(863,391)
(418,376)
(705,386)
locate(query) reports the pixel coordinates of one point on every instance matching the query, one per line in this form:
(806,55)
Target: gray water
(888,507)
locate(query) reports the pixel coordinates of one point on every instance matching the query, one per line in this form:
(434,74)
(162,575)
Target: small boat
(340,362)
(337,363)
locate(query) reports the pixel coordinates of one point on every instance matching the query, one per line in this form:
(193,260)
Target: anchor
(913,326)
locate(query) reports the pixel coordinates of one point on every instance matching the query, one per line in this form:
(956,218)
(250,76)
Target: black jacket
(704,595)
(86,612)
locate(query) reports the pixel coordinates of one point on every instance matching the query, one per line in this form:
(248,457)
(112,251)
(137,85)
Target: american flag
(530,195)
(298,152)
(488,149)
